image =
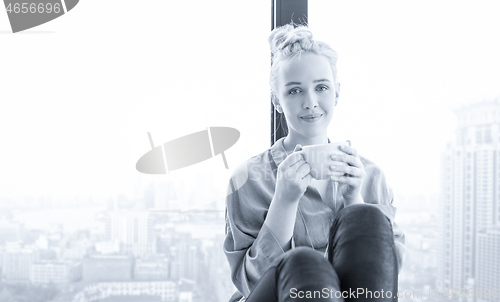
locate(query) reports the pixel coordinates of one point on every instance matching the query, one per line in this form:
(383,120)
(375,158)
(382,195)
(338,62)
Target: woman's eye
(322,88)
(294,91)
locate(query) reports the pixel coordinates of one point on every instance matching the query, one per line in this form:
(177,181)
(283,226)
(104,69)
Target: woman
(281,223)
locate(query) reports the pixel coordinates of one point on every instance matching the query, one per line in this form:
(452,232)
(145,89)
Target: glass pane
(405,69)
(79,96)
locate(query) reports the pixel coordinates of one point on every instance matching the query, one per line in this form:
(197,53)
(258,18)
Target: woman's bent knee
(301,254)
(301,257)
(363,220)
(362,216)
(363,210)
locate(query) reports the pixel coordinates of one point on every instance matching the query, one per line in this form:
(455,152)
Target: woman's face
(307,94)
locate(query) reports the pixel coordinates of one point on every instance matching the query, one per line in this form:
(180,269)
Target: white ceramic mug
(318,157)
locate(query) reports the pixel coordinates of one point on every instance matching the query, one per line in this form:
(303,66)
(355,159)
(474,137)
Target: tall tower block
(470,194)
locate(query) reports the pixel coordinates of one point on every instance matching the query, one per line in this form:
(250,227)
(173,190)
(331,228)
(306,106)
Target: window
(284,12)
(479,135)
(487,135)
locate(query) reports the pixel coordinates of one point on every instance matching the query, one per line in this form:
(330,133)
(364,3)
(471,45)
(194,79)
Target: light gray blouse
(250,246)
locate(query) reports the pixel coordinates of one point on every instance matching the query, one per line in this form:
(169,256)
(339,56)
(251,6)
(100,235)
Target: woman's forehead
(306,67)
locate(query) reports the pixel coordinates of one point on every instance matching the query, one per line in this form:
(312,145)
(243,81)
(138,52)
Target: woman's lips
(311,119)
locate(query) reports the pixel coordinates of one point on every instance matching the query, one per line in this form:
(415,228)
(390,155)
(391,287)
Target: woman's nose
(310,102)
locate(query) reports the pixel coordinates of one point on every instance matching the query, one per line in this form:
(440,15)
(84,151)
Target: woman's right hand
(293,176)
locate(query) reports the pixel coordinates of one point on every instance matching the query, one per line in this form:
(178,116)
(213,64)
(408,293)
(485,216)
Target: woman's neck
(293,139)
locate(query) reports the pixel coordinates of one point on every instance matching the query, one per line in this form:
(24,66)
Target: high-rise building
(185,258)
(108,247)
(488,265)
(107,268)
(57,272)
(164,196)
(10,231)
(152,269)
(17,262)
(134,230)
(76,249)
(470,188)
(164,291)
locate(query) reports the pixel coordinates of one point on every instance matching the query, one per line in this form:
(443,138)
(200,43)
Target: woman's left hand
(354,173)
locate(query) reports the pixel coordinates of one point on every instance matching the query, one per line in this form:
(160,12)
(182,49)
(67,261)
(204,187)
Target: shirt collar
(278,151)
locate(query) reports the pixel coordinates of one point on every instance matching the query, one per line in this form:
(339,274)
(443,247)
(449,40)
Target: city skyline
(76,110)
(470,202)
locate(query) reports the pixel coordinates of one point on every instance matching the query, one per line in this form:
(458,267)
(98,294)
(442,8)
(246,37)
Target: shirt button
(330,219)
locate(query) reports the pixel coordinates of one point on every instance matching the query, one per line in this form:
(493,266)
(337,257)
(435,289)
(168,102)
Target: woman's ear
(276,104)
(337,93)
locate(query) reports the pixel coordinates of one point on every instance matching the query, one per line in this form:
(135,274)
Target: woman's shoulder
(254,168)
(250,190)
(262,160)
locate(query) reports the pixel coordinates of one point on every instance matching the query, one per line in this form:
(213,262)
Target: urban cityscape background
(79,94)
(145,249)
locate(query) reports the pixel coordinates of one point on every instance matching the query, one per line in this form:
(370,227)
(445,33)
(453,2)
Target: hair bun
(289,39)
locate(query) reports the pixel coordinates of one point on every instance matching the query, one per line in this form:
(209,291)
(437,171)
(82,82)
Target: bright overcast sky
(79,94)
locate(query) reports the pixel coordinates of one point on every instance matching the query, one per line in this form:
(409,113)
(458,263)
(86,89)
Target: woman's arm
(281,220)
(292,180)
(250,246)
(260,217)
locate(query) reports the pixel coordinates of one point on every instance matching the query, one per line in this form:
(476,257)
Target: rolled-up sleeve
(376,192)
(250,246)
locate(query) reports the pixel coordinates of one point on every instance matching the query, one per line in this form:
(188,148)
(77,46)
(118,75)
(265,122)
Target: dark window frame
(283,12)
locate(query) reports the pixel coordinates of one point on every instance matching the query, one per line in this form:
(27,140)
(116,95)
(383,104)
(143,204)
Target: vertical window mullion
(283,12)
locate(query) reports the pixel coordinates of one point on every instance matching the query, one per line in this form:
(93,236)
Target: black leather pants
(361,264)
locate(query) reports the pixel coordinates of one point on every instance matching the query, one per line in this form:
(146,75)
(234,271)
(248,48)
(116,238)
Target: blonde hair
(287,42)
